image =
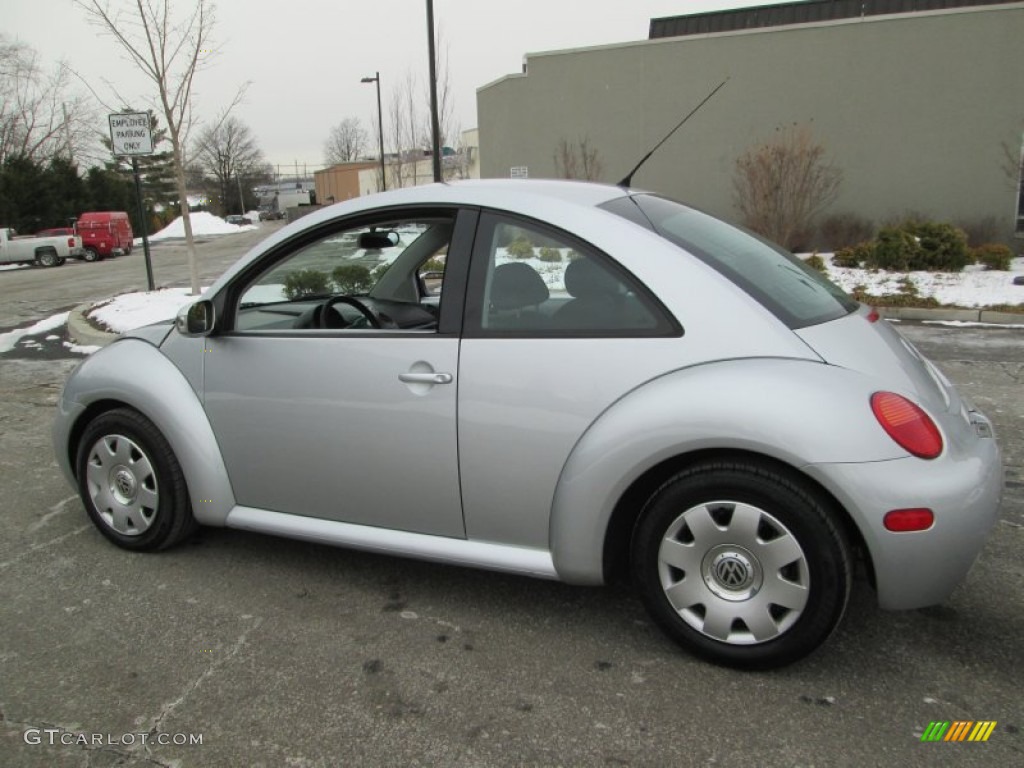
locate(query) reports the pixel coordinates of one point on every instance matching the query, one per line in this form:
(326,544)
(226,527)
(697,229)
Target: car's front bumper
(914,570)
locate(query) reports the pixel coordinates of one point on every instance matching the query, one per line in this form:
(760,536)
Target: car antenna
(629,176)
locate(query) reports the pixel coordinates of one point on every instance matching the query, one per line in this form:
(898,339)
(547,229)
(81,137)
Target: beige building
(919,109)
(339,182)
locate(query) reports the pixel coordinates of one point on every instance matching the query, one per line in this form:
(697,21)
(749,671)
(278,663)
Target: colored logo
(958,730)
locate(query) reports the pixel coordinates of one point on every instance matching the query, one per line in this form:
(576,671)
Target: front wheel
(131,483)
(742,564)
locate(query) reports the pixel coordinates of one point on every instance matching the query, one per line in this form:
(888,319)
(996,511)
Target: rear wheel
(90,254)
(742,564)
(131,483)
(48,258)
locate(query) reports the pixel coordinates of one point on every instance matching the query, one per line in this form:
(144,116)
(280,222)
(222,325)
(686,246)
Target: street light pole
(380,129)
(435,129)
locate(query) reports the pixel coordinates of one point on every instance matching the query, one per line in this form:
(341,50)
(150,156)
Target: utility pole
(434,127)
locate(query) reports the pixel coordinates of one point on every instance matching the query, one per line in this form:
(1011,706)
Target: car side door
(320,414)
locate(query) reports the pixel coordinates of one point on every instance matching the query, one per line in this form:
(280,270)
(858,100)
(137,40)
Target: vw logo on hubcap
(731,572)
(124,485)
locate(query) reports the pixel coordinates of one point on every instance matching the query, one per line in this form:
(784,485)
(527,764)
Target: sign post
(130,135)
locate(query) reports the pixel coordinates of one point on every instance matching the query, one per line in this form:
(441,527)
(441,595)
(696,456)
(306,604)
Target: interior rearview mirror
(195,319)
(378,239)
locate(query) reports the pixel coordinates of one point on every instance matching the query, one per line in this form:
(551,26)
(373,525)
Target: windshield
(795,293)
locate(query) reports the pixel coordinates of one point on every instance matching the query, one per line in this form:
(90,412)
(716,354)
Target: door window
(385,275)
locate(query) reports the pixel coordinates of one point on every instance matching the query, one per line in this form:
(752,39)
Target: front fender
(796,411)
(137,374)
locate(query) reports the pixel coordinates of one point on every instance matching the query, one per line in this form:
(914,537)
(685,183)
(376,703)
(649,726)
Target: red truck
(103,233)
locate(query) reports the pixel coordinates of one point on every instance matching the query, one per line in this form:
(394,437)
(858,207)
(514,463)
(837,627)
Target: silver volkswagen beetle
(556,379)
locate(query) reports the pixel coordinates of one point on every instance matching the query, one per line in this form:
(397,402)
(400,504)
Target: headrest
(585,279)
(517,285)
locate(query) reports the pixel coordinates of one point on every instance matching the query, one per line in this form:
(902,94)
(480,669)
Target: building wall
(915,110)
(338,182)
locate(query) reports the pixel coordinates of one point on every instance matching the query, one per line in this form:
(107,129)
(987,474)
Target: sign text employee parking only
(130,135)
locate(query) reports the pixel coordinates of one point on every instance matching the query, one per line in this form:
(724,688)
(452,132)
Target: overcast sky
(305,58)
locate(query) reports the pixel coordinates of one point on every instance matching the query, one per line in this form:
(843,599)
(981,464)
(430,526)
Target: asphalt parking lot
(279,653)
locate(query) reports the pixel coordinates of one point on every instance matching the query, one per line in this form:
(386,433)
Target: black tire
(131,483)
(755,572)
(47,258)
(90,254)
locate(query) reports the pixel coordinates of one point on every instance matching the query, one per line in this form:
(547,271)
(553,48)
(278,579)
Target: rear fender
(795,411)
(135,373)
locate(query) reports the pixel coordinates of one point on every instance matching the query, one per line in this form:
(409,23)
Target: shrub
(520,248)
(941,247)
(858,255)
(816,262)
(352,278)
(843,230)
(550,254)
(781,185)
(433,265)
(895,249)
(305,282)
(994,256)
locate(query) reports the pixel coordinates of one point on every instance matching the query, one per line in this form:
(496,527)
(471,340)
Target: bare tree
(346,142)
(577,161)
(781,186)
(227,153)
(40,118)
(169,51)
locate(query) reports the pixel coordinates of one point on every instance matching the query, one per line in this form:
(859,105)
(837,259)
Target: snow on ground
(11,338)
(974,287)
(134,310)
(203,223)
(6,267)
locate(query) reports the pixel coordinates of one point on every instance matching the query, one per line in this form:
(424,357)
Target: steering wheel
(325,314)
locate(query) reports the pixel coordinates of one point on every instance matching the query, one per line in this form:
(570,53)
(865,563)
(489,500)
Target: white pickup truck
(44,251)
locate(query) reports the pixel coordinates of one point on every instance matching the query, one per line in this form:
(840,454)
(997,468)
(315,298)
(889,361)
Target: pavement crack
(1017,374)
(43,545)
(169,708)
(55,510)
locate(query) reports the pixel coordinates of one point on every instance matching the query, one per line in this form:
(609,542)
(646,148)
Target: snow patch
(134,310)
(10,339)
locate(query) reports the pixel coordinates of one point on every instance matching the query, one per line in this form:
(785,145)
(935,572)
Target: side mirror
(195,319)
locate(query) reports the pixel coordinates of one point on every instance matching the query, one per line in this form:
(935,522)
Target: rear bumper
(914,570)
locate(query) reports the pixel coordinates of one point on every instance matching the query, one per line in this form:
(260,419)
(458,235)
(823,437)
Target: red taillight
(71,242)
(873,316)
(911,428)
(907,520)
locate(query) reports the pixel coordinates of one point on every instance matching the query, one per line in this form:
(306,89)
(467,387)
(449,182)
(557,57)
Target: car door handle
(425,378)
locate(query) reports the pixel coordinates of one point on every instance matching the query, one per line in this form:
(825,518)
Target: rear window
(795,293)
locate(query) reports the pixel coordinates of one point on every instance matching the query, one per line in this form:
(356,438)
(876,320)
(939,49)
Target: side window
(386,275)
(541,282)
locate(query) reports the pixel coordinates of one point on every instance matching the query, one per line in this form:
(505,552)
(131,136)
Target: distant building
(340,182)
(919,102)
(413,168)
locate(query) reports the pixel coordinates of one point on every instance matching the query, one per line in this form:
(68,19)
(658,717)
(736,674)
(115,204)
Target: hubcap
(122,485)
(733,572)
